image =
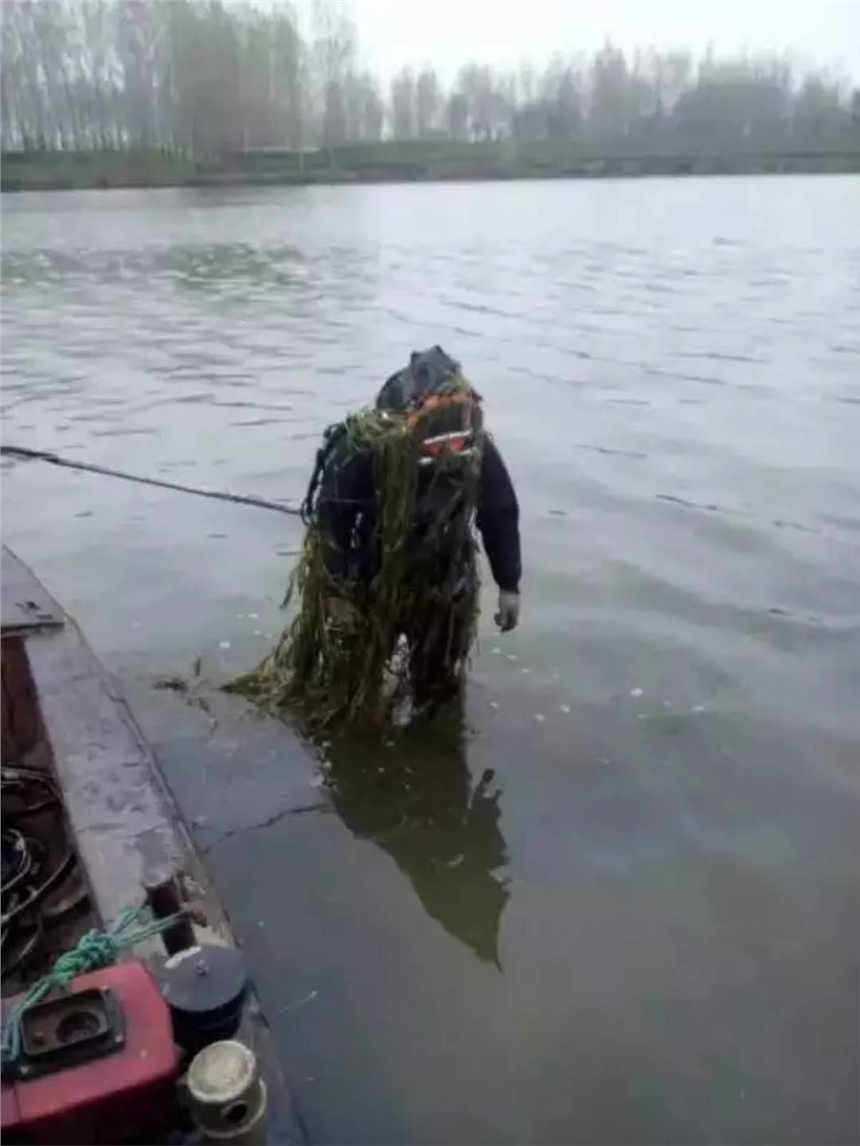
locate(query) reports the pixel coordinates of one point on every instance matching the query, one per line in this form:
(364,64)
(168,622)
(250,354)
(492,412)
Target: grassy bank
(399,162)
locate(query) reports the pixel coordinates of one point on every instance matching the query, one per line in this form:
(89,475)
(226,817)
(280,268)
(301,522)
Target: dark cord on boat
(32,876)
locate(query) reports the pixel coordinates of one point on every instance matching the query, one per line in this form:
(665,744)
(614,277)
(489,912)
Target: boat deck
(63,715)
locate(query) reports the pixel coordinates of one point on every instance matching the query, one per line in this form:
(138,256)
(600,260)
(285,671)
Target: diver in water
(461,480)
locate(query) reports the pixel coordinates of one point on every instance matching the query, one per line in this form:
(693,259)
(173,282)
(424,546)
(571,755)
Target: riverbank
(393,162)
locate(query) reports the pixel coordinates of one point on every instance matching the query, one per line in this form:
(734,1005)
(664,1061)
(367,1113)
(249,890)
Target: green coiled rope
(93,951)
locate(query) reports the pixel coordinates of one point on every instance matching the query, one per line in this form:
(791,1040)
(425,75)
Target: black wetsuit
(346,513)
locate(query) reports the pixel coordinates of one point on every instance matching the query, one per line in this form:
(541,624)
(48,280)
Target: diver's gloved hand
(508,615)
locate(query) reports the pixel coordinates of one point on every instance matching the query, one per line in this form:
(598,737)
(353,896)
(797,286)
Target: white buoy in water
(228,1097)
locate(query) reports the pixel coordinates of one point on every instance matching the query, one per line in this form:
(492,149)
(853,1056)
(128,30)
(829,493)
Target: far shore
(391,162)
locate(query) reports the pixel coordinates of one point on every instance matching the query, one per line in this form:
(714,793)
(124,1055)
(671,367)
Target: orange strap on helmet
(456,441)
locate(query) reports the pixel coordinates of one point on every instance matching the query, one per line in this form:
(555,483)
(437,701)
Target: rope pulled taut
(199,491)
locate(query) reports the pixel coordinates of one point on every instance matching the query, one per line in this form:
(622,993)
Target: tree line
(209,77)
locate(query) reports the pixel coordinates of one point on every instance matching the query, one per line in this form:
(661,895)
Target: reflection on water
(416,801)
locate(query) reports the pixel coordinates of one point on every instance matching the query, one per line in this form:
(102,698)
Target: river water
(622,903)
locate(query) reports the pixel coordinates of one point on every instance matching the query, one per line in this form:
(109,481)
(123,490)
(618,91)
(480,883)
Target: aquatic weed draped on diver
(338,659)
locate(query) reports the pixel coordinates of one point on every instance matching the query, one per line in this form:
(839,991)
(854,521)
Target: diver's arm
(499,520)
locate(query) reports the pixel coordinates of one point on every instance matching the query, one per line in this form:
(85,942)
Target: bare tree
(609,93)
(365,108)
(563,100)
(334,53)
(138,33)
(98,76)
(13,115)
(287,80)
(403,105)
(458,116)
(427,103)
(475,83)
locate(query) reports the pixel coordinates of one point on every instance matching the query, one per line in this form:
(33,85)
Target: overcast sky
(449,32)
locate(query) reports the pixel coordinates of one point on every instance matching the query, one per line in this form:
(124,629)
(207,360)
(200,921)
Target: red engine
(98,1063)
